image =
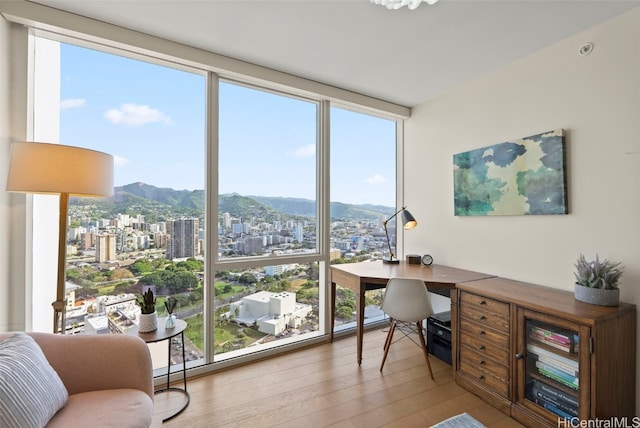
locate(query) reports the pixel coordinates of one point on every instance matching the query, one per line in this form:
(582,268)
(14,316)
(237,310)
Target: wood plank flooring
(323,386)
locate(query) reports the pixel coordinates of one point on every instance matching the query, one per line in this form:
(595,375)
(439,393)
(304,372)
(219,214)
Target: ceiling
(403,56)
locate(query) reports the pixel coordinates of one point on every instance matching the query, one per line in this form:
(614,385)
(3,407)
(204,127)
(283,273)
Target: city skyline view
(161,119)
(267,174)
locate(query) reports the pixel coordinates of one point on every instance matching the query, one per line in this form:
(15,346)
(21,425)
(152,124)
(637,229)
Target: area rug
(463,420)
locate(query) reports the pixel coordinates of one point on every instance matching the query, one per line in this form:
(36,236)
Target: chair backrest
(406,300)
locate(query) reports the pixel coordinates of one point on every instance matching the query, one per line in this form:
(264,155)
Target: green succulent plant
(147,303)
(598,274)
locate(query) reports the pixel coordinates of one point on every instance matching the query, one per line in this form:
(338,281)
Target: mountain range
(159,202)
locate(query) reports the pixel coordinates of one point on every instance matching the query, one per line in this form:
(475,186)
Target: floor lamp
(45,168)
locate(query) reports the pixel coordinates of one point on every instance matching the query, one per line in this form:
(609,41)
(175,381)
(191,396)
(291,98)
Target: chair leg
(388,344)
(424,347)
(387,341)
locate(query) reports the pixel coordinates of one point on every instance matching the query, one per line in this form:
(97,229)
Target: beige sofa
(109,379)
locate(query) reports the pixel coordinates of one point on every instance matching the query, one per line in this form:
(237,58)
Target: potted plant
(597,281)
(148,316)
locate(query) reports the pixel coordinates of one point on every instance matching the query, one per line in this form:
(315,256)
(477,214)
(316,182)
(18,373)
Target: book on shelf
(539,351)
(556,411)
(540,397)
(561,379)
(557,335)
(568,377)
(567,347)
(552,391)
(570,369)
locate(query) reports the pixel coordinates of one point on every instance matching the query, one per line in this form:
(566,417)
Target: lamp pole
(59,306)
(386,232)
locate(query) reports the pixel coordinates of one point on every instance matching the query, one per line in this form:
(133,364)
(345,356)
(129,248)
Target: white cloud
(306,151)
(376,179)
(72,103)
(120,161)
(135,115)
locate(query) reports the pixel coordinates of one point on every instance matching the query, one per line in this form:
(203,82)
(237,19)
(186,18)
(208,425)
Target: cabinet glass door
(551,366)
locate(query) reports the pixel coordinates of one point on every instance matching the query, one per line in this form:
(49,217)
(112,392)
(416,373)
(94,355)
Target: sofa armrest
(94,362)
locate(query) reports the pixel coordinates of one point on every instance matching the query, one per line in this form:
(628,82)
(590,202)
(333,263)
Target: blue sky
(152,120)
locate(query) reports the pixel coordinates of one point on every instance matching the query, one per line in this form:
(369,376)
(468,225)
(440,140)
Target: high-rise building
(105,247)
(252,245)
(183,238)
(160,240)
(87,240)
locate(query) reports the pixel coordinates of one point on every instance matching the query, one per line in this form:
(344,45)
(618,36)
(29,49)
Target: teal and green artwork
(521,177)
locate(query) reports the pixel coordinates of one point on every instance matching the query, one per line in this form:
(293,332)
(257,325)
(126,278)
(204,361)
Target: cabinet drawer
(483,377)
(484,363)
(479,331)
(484,311)
(487,349)
(469,299)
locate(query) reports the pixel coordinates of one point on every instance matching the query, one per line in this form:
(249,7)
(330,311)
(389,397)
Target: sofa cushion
(117,408)
(31,391)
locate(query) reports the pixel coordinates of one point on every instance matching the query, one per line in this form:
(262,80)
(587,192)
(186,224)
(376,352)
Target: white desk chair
(406,300)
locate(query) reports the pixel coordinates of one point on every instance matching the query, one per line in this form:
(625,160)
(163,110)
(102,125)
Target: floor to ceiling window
(151,118)
(363,195)
(240,228)
(267,176)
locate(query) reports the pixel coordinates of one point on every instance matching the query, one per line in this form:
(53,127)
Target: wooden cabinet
(537,354)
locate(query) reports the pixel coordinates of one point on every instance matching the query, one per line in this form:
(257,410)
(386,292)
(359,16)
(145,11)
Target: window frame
(299,88)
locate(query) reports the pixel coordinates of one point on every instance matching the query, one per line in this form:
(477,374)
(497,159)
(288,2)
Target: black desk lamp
(408,222)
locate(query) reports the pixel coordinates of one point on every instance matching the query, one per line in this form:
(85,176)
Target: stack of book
(557,338)
(555,366)
(553,399)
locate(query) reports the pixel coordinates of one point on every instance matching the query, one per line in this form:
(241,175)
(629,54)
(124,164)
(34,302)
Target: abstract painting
(521,177)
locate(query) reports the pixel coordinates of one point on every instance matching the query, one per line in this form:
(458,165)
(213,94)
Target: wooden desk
(364,276)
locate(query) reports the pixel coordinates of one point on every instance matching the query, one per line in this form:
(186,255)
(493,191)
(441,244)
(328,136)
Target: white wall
(4,162)
(596,99)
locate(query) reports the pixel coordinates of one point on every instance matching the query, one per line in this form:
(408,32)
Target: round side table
(160,334)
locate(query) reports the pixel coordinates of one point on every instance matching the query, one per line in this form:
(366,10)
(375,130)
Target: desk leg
(360,320)
(332,310)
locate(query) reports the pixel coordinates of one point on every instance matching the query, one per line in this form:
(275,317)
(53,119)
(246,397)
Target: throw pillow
(31,391)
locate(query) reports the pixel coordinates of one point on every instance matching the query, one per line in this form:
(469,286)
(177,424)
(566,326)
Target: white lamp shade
(55,168)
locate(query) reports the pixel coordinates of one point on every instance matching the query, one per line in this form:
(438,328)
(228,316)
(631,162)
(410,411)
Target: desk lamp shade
(56,169)
(408,221)
(60,170)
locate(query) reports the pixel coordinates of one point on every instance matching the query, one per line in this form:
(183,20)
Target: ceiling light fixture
(397,4)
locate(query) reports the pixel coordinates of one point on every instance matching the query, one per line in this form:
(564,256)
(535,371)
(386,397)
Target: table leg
(184,364)
(184,379)
(168,363)
(360,320)
(332,310)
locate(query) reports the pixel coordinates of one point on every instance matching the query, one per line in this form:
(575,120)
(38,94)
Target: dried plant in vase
(170,304)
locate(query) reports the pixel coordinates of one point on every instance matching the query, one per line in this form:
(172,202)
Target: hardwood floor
(323,386)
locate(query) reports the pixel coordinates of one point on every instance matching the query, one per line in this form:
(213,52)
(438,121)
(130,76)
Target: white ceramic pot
(148,322)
